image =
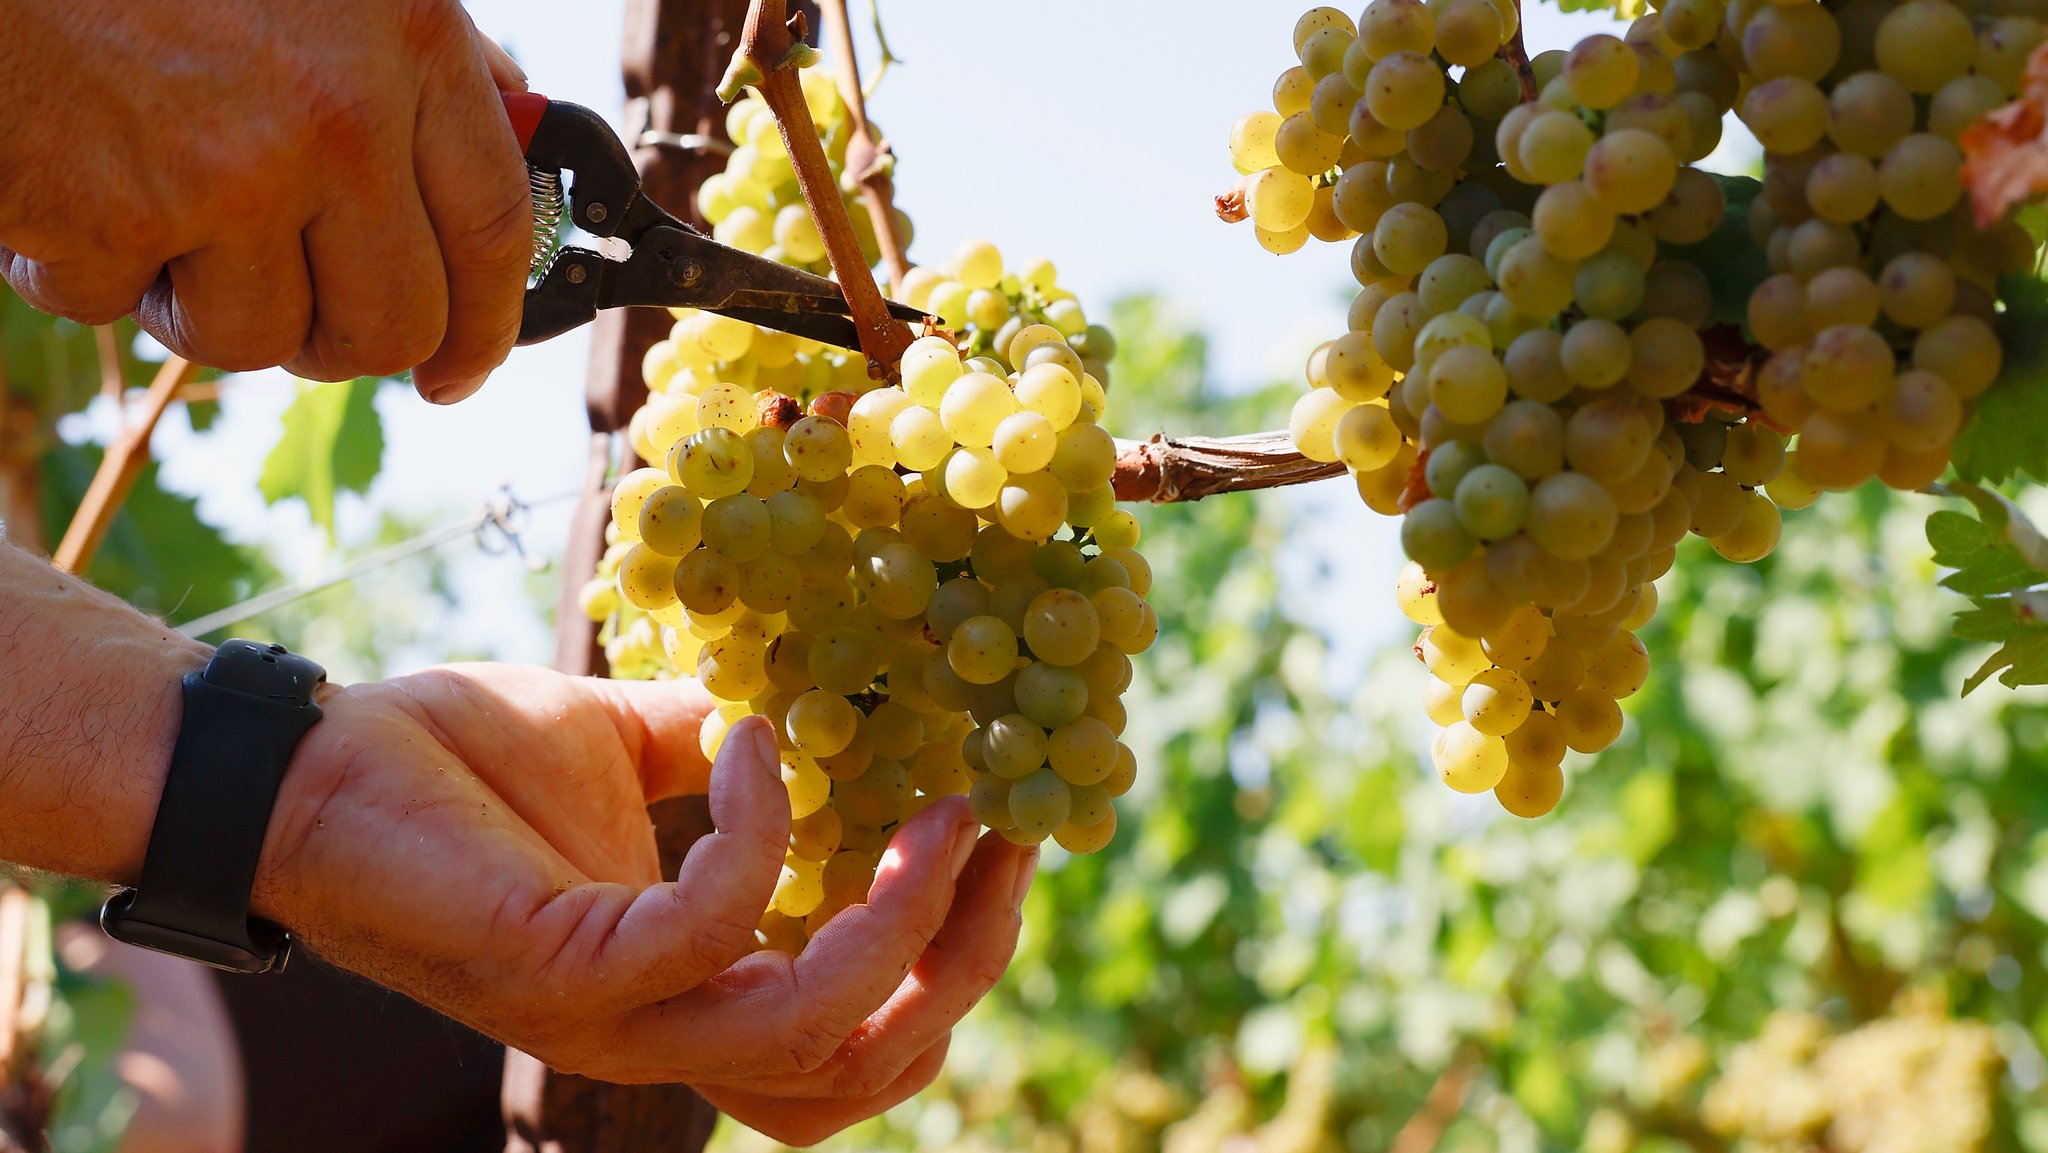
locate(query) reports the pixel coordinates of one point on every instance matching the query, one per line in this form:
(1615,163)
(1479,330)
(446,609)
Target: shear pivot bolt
(689,271)
(596,213)
(578,274)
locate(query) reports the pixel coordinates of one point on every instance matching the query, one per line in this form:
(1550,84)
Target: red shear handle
(525,109)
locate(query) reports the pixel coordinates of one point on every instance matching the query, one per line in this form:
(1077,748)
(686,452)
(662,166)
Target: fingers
(809,1122)
(473,182)
(659,722)
(381,294)
(505,71)
(963,962)
(239,306)
(674,937)
(770,1015)
(99,291)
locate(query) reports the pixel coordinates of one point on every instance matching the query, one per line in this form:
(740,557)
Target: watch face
(268,948)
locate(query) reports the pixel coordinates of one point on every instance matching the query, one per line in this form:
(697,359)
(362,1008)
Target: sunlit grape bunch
(924,584)
(1521,379)
(1914,1080)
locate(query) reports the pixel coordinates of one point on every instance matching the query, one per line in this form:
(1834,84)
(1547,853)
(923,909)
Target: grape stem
(870,163)
(770,53)
(1169,469)
(1517,56)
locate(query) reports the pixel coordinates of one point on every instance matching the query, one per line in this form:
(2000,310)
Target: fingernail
(963,848)
(456,390)
(1026,869)
(766,748)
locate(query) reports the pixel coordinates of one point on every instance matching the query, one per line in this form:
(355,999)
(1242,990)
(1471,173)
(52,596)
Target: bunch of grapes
(1518,379)
(925,586)
(1909,1081)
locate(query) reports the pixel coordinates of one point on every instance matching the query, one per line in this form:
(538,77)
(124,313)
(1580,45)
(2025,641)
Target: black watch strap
(244,716)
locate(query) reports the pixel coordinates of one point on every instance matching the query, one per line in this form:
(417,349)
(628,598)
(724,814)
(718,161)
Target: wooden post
(675,53)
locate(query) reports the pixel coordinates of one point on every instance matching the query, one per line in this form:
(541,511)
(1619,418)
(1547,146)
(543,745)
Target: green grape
(1085,458)
(1278,199)
(1520,639)
(1312,423)
(1039,804)
(1448,464)
(1442,143)
(1251,145)
(982,650)
(1496,702)
(1366,438)
(1355,368)
(1571,516)
(1526,437)
(1468,760)
(1925,412)
(1433,535)
(1127,622)
(1051,695)
(1390,26)
(631,495)
(1595,353)
(1469,32)
(1754,454)
(973,406)
(1535,366)
(1467,384)
(973,479)
(876,797)
(772,471)
(713,463)
(647,579)
(1665,358)
(821,723)
(1051,391)
(1553,147)
(1960,103)
(1492,502)
(1755,534)
(669,520)
(1600,71)
(1847,368)
(874,497)
(1061,627)
(1618,667)
(1961,350)
(1032,506)
(1083,752)
(1917,290)
(1534,279)
(1868,113)
(897,580)
(1921,176)
(1409,236)
(1013,746)
(1571,222)
(1590,719)
(1448,282)
(1692,210)
(1529,789)
(1630,171)
(1304,147)
(1609,286)
(705,582)
(1360,195)
(1331,105)
(1404,90)
(1926,44)
(844,660)
(1024,442)
(1837,296)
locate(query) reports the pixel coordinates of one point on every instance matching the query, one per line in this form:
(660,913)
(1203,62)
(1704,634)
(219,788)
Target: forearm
(89,709)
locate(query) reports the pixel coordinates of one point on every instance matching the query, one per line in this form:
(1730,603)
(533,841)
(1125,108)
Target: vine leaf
(333,443)
(2002,437)
(2001,563)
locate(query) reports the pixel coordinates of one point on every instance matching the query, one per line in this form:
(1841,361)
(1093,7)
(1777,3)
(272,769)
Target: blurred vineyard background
(1800,907)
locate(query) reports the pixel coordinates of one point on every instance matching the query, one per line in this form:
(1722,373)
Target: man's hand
(477,837)
(328,185)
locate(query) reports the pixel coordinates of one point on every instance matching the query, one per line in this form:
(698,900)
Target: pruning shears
(671,264)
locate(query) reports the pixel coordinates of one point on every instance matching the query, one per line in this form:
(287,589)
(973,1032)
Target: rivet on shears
(577,274)
(596,213)
(689,271)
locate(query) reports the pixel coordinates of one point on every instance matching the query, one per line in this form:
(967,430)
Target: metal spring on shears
(548,207)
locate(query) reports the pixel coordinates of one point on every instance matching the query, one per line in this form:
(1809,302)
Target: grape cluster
(1518,381)
(1909,1081)
(926,586)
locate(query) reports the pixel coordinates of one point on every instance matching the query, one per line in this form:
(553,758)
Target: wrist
(319,768)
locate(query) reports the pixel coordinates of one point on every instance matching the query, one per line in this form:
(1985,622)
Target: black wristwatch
(243,717)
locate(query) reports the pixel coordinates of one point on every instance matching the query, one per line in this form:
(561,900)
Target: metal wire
(497,528)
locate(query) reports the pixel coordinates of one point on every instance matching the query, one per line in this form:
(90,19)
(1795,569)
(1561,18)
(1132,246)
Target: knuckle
(860,1079)
(812,1044)
(387,349)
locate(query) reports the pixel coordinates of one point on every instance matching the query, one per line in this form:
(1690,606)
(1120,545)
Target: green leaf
(1996,559)
(333,443)
(158,555)
(2002,437)
(1985,562)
